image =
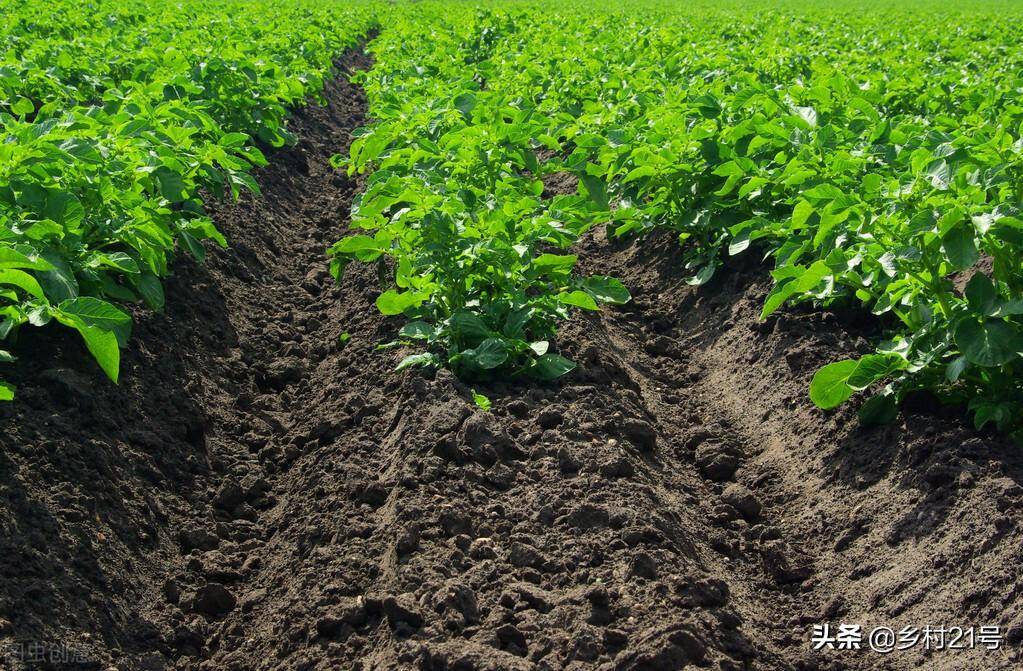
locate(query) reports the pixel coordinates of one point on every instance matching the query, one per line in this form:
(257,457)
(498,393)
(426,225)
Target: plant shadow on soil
(258,495)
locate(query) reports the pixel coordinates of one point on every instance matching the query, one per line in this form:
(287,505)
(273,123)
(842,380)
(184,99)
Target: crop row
(114,116)
(874,158)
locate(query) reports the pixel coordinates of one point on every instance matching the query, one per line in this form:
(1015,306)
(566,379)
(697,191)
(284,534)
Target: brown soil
(258,495)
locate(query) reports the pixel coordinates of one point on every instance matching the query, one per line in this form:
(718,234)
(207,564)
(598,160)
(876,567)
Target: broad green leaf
(829,387)
(879,409)
(468,327)
(982,295)
(992,342)
(64,208)
(170,184)
(546,264)
(490,353)
(607,289)
(803,280)
(960,247)
(392,302)
(233,140)
(540,347)
(193,246)
(465,103)
(116,260)
(801,213)
(23,106)
(60,283)
(23,281)
(873,367)
(417,329)
(579,299)
(551,366)
(956,367)
(362,247)
(151,290)
(703,275)
(99,314)
(102,344)
(10,258)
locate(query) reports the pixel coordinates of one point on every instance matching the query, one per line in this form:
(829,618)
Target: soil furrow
(146,512)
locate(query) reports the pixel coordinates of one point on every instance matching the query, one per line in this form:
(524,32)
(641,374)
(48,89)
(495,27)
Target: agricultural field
(524,335)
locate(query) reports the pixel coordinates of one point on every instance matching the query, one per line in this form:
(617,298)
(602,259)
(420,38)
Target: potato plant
(114,115)
(872,158)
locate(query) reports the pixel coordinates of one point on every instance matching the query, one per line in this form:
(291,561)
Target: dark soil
(257,494)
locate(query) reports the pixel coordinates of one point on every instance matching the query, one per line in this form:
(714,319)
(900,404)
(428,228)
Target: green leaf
(703,275)
(551,366)
(607,289)
(233,140)
(823,192)
(579,299)
(151,290)
(548,264)
(873,367)
(801,213)
(829,387)
(64,208)
(170,184)
(960,247)
(417,329)
(104,348)
(23,281)
(116,260)
(468,327)
(804,280)
(23,106)
(986,410)
(59,283)
(596,188)
(956,367)
(490,353)
(465,103)
(939,174)
(10,258)
(392,302)
(102,344)
(482,401)
(879,409)
(992,342)
(639,173)
(362,247)
(6,357)
(982,295)
(193,246)
(99,314)
(6,391)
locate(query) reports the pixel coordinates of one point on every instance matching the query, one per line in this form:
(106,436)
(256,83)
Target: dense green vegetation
(871,153)
(872,156)
(114,114)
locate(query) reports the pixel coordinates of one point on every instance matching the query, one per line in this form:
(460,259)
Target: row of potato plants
(114,116)
(872,158)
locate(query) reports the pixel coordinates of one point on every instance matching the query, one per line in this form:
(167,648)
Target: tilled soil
(259,494)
